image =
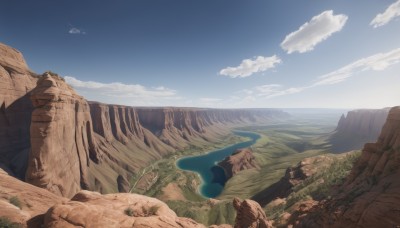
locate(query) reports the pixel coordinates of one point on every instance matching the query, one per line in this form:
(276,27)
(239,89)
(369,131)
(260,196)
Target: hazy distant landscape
(199,114)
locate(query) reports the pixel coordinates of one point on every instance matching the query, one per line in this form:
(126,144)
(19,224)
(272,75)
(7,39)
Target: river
(212,176)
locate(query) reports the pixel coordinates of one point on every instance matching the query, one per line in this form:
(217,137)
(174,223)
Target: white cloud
(115,91)
(274,90)
(311,33)
(390,13)
(375,62)
(76,31)
(250,66)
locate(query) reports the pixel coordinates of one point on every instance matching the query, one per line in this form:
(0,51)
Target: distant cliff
(357,128)
(53,138)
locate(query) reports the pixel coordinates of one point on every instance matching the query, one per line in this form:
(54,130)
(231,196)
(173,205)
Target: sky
(214,53)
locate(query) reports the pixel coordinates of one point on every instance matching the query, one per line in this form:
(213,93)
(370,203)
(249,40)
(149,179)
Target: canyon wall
(53,138)
(369,197)
(357,128)
(61,138)
(16,82)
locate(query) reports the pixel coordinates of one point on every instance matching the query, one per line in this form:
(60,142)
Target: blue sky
(215,53)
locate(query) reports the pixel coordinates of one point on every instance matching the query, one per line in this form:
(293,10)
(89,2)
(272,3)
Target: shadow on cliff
(15,144)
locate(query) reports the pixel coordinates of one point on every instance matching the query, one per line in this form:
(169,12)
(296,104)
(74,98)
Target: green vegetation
(153,210)
(128,211)
(167,172)
(319,186)
(222,213)
(280,146)
(194,210)
(204,212)
(6,223)
(15,201)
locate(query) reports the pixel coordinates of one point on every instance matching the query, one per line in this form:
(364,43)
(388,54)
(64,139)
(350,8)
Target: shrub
(15,201)
(153,210)
(6,223)
(129,211)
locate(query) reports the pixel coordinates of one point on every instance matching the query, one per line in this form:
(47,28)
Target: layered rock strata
(61,138)
(357,128)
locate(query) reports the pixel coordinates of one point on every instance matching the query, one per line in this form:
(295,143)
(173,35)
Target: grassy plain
(281,145)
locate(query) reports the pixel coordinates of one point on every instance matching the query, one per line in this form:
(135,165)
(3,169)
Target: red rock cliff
(370,196)
(61,138)
(16,81)
(357,128)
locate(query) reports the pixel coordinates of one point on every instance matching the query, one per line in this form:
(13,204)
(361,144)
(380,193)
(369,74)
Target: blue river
(213,176)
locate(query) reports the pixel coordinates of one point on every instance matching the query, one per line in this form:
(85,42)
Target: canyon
(68,162)
(55,139)
(369,196)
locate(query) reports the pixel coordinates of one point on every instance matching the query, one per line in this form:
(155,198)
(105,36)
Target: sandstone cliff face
(241,159)
(62,141)
(370,196)
(16,81)
(294,175)
(357,128)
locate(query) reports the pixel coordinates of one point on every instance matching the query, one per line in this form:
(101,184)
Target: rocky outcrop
(357,128)
(16,82)
(370,195)
(30,206)
(241,159)
(90,209)
(294,175)
(250,214)
(62,142)
(23,203)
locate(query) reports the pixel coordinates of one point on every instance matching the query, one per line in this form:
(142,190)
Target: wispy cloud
(274,90)
(390,13)
(117,90)
(250,66)
(311,33)
(377,62)
(76,31)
